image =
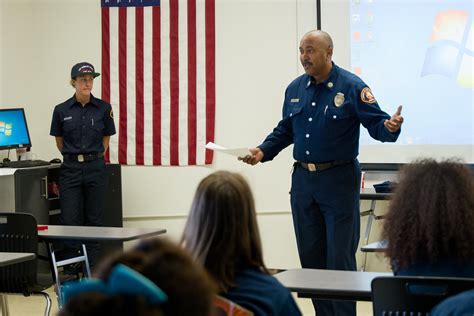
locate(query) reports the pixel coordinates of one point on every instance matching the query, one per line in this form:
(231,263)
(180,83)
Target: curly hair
(431,216)
(189,288)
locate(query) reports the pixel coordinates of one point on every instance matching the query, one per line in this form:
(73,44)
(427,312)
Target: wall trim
(182,215)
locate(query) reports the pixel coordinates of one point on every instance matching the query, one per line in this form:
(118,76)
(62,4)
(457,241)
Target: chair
(18,233)
(414,295)
(225,307)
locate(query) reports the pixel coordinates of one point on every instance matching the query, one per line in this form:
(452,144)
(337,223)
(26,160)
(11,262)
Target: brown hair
(431,216)
(99,304)
(221,231)
(189,288)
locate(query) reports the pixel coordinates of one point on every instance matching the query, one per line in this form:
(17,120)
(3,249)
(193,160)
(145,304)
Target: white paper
(237,152)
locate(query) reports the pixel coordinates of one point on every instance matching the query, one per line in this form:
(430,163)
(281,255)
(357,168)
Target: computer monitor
(13,129)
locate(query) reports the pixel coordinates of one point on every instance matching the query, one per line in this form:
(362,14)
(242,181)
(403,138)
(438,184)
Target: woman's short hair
(431,216)
(221,231)
(189,288)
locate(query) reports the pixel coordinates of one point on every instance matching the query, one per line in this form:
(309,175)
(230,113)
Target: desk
(7,258)
(330,284)
(378,246)
(370,194)
(87,233)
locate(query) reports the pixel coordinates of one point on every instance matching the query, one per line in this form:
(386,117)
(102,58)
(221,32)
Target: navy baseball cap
(83,69)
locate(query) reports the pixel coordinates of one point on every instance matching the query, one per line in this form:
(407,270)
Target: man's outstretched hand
(255,156)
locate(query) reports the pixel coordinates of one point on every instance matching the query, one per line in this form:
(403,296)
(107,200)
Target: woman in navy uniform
(322,113)
(82,126)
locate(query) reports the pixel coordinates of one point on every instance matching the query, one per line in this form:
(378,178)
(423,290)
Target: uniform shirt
(323,120)
(262,294)
(83,127)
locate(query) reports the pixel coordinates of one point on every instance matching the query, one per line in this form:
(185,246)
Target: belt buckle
(80,158)
(312,167)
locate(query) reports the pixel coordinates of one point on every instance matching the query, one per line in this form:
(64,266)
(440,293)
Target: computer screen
(13,129)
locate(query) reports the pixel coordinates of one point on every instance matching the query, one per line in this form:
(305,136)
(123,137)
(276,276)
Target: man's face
(84,84)
(314,55)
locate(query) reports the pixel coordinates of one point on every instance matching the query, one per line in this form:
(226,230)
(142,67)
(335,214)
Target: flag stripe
(114,83)
(139,127)
(122,59)
(191,82)
(174,82)
(210,75)
(106,61)
(157,86)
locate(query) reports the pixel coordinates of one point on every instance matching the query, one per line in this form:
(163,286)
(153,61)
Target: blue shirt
(323,120)
(82,127)
(443,268)
(262,294)
(458,305)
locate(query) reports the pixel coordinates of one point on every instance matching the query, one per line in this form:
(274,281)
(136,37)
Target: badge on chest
(339,99)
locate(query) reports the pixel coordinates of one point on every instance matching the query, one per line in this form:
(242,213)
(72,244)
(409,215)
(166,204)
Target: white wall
(256,57)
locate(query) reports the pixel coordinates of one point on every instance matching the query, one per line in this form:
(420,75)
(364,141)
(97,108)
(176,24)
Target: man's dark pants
(325,208)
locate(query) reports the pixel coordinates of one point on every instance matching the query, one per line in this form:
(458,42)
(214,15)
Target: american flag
(158,72)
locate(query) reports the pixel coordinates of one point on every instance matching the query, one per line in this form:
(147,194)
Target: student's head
(221,231)
(431,215)
(189,289)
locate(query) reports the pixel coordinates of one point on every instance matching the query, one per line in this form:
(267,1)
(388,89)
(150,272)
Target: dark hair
(431,216)
(189,288)
(221,231)
(99,304)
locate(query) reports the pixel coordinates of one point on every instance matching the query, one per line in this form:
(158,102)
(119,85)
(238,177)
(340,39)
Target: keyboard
(25,164)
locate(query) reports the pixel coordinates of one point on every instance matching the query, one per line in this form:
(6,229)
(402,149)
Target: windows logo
(451,53)
(5,128)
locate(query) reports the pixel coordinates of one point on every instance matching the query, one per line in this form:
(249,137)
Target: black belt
(83,157)
(322,166)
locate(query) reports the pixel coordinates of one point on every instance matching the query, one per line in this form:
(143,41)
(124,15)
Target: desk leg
(55,272)
(368,227)
(86,261)
(4,302)
(55,264)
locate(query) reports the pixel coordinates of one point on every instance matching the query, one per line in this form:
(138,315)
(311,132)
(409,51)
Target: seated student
(457,305)
(430,222)
(222,234)
(186,289)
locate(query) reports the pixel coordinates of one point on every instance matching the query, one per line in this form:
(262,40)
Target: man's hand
(395,122)
(255,157)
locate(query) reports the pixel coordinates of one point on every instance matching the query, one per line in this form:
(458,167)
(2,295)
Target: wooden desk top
(7,258)
(60,232)
(330,284)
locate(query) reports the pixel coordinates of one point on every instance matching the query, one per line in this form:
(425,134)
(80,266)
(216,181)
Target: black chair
(18,233)
(414,295)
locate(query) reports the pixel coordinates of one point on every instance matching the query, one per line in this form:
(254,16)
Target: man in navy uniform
(322,113)
(82,126)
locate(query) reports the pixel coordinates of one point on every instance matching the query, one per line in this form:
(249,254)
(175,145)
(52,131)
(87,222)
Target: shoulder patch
(367,96)
(111,114)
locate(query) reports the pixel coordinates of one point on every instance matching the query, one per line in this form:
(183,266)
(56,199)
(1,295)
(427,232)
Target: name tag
(67,118)
(295,100)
